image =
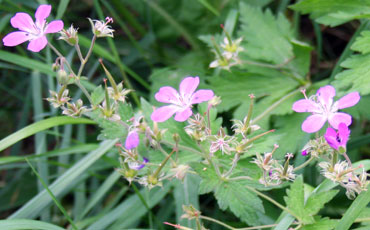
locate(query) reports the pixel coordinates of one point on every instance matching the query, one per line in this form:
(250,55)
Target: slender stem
(62,57)
(165,153)
(209,120)
(199,226)
(84,90)
(272,201)
(163,164)
(77,47)
(210,161)
(304,164)
(240,178)
(235,162)
(347,159)
(181,147)
(87,56)
(276,104)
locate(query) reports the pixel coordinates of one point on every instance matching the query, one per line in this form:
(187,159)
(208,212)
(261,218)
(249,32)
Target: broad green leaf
(40,126)
(242,202)
(321,223)
(361,43)
(110,129)
(306,210)
(63,184)
(334,12)
(125,111)
(209,177)
(23,224)
(97,96)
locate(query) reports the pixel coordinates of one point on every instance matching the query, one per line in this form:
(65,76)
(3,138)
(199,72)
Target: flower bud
(152,180)
(62,77)
(69,35)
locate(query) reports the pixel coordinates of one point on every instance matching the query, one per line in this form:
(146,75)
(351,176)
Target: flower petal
(331,138)
(343,132)
(132,140)
(349,100)
(42,12)
(15,38)
(188,86)
(167,94)
(313,123)
(338,118)
(24,22)
(201,96)
(37,44)
(164,113)
(326,94)
(183,115)
(54,26)
(304,105)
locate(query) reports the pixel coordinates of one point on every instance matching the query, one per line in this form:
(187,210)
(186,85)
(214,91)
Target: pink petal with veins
(188,86)
(167,94)
(304,105)
(15,38)
(23,21)
(42,12)
(313,123)
(338,118)
(326,94)
(164,113)
(37,44)
(54,26)
(201,96)
(349,100)
(183,115)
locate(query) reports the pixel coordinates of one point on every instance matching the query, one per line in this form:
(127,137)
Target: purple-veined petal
(42,12)
(343,133)
(183,115)
(24,22)
(164,113)
(338,118)
(304,105)
(349,100)
(331,138)
(15,38)
(37,44)
(188,86)
(326,94)
(201,96)
(167,94)
(313,123)
(132,140)
(54,26)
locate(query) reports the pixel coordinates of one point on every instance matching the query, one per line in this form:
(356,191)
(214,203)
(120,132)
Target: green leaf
(305,210)
(209,177)
(242,202)
(125,111)
(40,126)
(321,223)
(22,224)
(333,12)
(110,129)
(354,210)
(97,96)
(361,43)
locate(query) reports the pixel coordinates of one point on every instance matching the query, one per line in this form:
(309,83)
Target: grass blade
(59,205)
(40,126)
(22,224)
(63,184)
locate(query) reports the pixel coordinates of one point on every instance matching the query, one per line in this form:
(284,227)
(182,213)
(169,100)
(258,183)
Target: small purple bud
(132,140)
(145,160)
(270,173)
(304,153)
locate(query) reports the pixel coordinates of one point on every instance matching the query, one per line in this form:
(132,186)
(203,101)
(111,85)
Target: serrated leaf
(362,42)
(242,202)
(356,77)
(209,177)
(333,12)
(306,210)
(321,223)
(125,111)
(110,129)
(97,96)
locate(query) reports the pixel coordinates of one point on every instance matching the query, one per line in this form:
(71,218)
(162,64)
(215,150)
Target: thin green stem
(347,159)
(182,147)
(235,162)
(84,60)
(156,173)
(272,201)
(61,56)
(240,178)
(304,164)
(276,104)
(77,47)
(84,90)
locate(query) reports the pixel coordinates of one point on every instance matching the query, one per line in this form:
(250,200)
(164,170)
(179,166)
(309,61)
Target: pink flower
(180,103)
(337,139)
(132,140)
(30,31)
(323,109)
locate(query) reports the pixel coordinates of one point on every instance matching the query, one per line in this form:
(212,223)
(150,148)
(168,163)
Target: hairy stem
(304,164)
